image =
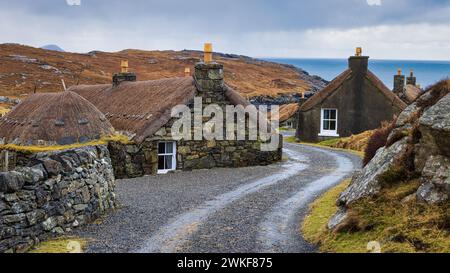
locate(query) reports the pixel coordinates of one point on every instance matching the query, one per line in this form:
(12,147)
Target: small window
(329,122)
(167,160)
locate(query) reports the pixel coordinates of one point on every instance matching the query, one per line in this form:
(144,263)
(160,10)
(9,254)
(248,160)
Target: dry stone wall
(54,194)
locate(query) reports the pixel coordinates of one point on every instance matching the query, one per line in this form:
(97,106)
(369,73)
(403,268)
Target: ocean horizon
(427,72)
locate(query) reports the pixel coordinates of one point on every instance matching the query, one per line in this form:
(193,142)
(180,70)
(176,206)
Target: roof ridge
(385,90)
(328,90)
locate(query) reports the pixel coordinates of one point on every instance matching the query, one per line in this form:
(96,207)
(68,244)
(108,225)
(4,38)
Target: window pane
(326,125)
(162,148)
(333,125)
(326,114)
(168,159)
(160,162)
(333,114)
(169,148)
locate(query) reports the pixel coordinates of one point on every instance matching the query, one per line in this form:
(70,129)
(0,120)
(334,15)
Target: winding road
(256,209)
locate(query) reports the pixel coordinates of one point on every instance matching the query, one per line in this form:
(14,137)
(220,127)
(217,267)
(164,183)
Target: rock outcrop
(366,183)
(418,146)
(55,193)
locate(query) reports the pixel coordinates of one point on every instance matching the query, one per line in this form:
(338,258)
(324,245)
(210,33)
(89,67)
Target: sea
(427,72)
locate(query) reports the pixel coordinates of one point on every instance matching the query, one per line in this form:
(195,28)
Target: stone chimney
(399,82)
(209,77)
(359,64)
(411,79)
(124,75)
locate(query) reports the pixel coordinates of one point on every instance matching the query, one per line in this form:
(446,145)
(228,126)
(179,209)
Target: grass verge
(394,219)
(315,224)
(61,245)
(321,145)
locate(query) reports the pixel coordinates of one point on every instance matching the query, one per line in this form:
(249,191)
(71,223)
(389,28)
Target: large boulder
(436,180)
(367,182)
(407,114)
(418,144)
(435,125)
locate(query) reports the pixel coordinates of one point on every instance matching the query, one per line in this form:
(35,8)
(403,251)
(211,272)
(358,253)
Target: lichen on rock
(366,183)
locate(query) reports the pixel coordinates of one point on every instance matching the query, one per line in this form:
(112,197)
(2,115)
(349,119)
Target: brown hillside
(23,68)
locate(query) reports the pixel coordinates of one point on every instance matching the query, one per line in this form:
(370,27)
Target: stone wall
(10,159)
(55,193)
(221,154)
(133,160)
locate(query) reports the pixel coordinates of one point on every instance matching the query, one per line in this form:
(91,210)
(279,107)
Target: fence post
(6,162)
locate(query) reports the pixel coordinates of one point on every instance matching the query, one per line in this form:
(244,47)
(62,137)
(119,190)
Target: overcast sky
(386,29)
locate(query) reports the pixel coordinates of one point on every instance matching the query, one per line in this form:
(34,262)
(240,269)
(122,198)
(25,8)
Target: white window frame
(328,133)
(173,154)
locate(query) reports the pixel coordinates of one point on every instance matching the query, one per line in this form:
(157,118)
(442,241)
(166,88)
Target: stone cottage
(142,110)
(354,102)
(52,192)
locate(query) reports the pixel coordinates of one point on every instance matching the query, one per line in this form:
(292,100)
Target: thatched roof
(141,108)
(396,101)
(339,81)
(327,91)
(54,118)
(288,110)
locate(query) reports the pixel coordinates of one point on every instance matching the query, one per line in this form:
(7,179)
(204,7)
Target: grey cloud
(235,25)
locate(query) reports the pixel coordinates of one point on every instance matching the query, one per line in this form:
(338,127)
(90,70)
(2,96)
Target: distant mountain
(53,48)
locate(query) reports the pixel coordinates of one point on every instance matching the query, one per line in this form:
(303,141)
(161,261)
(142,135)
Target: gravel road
(257,209)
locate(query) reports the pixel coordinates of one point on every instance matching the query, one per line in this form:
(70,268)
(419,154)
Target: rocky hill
(402,196)
(25,70)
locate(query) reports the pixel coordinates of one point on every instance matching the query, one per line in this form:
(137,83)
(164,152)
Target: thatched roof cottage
(142,110)
(48,119)
(354,102)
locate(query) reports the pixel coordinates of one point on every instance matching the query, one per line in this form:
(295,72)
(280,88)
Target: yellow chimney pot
(187,72)
(358,51)
(411,72)
(124,66)
(208,51)
(399,72)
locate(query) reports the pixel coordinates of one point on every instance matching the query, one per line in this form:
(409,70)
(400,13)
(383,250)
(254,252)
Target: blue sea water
(427,72)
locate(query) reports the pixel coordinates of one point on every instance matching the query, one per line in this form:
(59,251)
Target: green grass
(330,142)
(61,245)
(322,210)
(293,139)
(286,129)
(399,226)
